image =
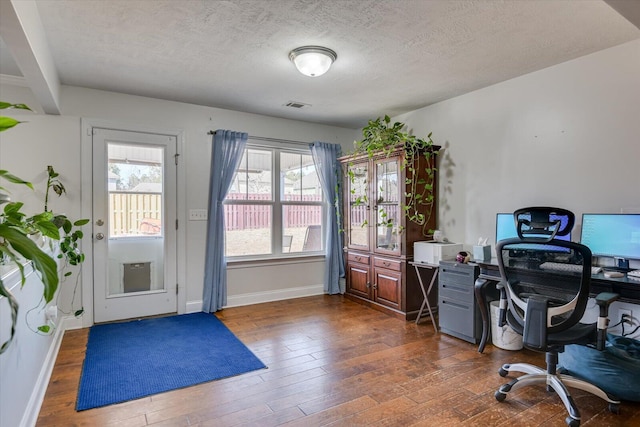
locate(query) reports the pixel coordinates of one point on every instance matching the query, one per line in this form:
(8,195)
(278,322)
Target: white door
(134,224)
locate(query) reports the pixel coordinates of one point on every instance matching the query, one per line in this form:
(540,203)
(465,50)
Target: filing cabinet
(458,312)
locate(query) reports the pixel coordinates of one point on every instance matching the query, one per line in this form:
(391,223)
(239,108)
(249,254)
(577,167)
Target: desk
(628,289)
(425,292)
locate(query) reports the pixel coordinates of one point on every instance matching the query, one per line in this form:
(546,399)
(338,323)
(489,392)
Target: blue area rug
(126,361)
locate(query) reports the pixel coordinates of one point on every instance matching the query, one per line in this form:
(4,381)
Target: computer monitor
(612,235)
(506,229)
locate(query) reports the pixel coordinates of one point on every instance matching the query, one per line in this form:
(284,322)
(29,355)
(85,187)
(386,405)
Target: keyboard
(634,274)
(571,268)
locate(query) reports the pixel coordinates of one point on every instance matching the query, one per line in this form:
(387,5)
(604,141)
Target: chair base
(555,382)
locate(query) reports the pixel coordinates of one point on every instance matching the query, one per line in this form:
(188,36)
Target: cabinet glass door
(358,221)
(387,205)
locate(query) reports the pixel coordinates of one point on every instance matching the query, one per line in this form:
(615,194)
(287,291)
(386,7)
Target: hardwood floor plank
(334,362)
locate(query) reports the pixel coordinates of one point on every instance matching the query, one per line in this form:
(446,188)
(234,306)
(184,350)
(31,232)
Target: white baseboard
(72,322)
(193,307)
(277,295)
(260,297)
(37,396)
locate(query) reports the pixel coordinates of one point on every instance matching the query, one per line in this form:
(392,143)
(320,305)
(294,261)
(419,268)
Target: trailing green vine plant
(381,138)
(17,230)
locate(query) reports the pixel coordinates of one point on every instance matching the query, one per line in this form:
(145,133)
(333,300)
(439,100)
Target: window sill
(279,260)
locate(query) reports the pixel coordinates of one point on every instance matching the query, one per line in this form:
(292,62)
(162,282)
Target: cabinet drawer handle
(386,264)
(464,307)
(358,258)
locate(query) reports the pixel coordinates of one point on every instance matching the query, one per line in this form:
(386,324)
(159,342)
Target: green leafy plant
(17,229)
(380,137)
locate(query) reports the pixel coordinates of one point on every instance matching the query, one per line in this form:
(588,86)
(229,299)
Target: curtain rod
(266,139)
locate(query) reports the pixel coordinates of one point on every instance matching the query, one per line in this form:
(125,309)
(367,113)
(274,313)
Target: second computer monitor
(612,235)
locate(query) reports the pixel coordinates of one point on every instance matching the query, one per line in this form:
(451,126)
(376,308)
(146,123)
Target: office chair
(545,305)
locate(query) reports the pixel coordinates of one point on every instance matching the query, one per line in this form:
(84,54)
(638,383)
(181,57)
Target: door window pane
(135,186)
(135,191)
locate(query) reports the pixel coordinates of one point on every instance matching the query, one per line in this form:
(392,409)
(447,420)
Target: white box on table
(432,252)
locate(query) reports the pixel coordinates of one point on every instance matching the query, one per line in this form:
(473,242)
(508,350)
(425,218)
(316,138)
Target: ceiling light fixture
(312,61)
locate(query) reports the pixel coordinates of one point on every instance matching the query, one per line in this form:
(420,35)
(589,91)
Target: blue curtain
(226,154)
(325,156)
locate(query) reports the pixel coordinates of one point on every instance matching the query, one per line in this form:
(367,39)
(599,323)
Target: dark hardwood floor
(333,362)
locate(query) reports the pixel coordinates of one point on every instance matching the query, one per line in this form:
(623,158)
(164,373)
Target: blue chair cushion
(615,370)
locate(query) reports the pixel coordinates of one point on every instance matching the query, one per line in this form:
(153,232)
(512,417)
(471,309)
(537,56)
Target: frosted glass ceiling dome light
(312,61)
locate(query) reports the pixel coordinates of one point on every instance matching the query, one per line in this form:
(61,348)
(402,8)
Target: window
(135,185)
(275,205)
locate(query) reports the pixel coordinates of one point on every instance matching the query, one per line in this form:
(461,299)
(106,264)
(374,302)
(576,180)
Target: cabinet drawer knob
(386,264)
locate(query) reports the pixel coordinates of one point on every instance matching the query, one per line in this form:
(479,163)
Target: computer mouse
(613,274)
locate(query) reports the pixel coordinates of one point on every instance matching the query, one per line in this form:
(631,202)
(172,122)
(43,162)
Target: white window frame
(277,204)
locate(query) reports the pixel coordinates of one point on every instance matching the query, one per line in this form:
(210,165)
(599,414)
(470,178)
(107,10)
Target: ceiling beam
(627,8)
(22,31)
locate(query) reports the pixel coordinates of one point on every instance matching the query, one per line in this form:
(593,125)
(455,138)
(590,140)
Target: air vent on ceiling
(296,104)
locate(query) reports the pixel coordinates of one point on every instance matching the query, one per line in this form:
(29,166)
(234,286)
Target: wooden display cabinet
(378,236)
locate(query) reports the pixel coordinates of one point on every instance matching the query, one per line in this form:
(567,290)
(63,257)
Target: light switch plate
(198,214)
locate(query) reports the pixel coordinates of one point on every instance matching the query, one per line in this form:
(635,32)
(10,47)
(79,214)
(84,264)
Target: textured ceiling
(393,56)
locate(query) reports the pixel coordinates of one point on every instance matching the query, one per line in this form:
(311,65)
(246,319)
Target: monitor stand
(622,265)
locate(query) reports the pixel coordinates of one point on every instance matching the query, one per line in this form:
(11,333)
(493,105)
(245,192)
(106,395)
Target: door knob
(99,222)
(99,236)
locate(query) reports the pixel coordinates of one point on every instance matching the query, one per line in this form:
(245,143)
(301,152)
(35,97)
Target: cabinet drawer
(460,273)
(360,258)
(388,264)
(457,291)
(457,318)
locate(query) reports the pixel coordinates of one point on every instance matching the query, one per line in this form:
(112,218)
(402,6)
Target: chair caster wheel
(500,396)
(503,372)
(572,422)
(614,408)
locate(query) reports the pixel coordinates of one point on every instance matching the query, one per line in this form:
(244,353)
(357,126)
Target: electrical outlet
(628,313)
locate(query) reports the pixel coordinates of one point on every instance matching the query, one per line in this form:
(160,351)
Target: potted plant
(16,227)
(382,137)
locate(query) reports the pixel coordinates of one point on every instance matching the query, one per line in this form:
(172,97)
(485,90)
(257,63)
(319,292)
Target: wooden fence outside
(141,214)
(135,214)
(242,217)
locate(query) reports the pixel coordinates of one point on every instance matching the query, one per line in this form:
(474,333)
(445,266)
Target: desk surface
(628,289)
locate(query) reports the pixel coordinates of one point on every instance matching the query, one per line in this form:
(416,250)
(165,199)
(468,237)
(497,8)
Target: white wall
(26,150)
(194,121)
(565,136)
(26,365)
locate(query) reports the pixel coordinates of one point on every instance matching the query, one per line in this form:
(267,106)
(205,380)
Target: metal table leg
(425,294)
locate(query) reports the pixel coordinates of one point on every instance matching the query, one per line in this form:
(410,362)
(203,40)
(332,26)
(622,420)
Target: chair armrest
(502,308)
(604,300)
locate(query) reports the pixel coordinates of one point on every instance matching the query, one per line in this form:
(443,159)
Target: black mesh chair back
(548,279)
(544,293)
